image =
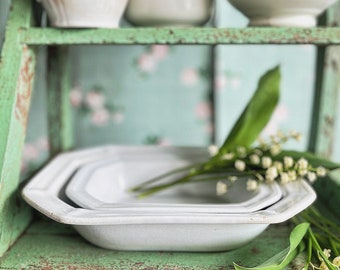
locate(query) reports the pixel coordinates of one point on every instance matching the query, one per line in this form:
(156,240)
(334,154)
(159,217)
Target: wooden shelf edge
(321,36)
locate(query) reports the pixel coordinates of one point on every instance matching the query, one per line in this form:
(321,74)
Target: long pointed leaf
(257,113)
(282,259)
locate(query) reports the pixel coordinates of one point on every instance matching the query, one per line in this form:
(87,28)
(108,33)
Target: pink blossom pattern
(100,117)
(95,106)
(30,152)
(95,99)
(203,110)
(76,97)
(189,77)
(147,63)
(149,60)
(34,153)
(220,82)
(159,52)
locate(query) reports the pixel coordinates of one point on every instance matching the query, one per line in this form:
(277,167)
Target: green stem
(319,250)
(172,172)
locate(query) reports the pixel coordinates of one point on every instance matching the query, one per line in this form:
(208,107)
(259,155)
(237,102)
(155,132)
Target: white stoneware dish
(105,184)
(84,13)
(299,13)
(154,230)
(169,12)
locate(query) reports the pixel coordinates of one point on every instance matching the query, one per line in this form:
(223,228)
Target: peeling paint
(24,88)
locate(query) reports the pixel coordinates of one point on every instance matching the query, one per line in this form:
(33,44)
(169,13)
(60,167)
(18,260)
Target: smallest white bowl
(84,13)
(293,13)
(180,13)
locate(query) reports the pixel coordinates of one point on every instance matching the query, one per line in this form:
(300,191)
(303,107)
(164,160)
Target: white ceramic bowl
(156,230)
(299,13)
(105,185)
(169,12)
(84,13)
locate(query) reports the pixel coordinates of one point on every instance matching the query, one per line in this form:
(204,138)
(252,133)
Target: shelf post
(17,69)
(59,107)
(325,112)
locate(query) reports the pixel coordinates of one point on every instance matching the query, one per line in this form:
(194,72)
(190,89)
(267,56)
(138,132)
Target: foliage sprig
(264,163)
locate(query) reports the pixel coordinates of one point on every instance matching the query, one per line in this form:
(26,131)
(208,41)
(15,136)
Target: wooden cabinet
(47,245)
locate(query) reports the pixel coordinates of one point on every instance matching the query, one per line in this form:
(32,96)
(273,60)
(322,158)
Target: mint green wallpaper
(160,94)
(136,95)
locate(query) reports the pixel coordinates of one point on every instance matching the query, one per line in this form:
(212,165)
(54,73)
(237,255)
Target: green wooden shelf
(200,36)
(49,245)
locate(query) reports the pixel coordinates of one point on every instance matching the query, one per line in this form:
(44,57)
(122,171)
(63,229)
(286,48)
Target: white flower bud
(284,178)
(266,162)
(261,141)
(240,165)
(213,150)
(275,149)
(221,188)
(241,151)
(323,266)
(302,163)
(288,162)
(254,159)
(296,135)
(232,178)
(258,152)
(228,156)
(252,185)
(327,252)
(303,172)
(336,261)
(321,171)
(278,165)
(311,176)
(280,135)
(292,175)
(271,174)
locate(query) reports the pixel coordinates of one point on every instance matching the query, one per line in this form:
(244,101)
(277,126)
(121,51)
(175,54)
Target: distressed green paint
(262,35)
(16,79)
(59,107)
(322,135)
(48,245)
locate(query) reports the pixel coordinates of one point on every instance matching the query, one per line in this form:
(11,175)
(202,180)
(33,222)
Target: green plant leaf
(313,159)
(283,258)
(257,113)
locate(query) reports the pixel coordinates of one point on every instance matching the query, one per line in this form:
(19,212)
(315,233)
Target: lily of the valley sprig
(267,163)
(263,162)
(238,157)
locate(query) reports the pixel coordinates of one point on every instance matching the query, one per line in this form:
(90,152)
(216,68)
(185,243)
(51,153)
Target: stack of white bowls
(90,189)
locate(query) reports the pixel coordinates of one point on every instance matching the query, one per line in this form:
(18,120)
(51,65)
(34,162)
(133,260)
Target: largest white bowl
(300,13)
(158,230)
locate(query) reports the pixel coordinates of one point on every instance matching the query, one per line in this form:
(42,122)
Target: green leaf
(314,160)
(283,258)
(257,113)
